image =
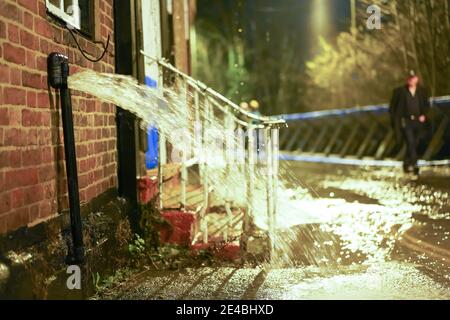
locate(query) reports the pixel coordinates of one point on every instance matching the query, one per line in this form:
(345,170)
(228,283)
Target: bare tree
(363,68)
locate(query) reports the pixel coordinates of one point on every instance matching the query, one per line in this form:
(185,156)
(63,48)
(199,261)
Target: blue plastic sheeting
(151,156)
(152,83)
(441,101)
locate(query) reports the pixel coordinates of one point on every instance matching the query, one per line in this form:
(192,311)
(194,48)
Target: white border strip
(356,162)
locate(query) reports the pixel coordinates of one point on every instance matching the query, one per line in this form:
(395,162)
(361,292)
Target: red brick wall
(32,170)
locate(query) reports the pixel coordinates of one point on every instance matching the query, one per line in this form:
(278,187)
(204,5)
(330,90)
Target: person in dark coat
(408,110)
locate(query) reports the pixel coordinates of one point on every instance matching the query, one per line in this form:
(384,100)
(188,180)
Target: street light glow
(320,14)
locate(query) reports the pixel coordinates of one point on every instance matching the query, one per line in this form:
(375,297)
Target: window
(87,17)
(67,10)
(78,14)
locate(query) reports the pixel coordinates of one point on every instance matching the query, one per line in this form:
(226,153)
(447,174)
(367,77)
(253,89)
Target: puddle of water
(387,281)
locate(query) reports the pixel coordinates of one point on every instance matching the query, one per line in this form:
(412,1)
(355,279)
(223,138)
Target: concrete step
(181,233)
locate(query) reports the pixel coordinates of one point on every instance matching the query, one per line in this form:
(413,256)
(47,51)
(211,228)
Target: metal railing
(205,104)
(361,133)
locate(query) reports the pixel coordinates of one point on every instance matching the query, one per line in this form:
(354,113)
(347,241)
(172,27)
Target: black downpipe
(126,147)
(58,72)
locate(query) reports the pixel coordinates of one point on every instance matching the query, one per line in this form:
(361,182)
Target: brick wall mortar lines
(32,174)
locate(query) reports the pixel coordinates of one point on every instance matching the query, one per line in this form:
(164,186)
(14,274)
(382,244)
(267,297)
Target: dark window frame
(87,29)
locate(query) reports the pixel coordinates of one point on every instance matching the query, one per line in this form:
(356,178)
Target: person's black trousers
(411,134)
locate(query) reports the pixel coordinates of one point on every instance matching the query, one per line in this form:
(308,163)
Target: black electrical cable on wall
(84,53)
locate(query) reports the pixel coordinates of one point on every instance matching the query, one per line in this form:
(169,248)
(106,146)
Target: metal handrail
(233,112)
(239,121)
(205,89)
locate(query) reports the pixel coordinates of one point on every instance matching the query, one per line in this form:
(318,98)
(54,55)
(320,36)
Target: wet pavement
(355,233)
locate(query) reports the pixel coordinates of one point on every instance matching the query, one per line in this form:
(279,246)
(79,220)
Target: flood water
(391,280)
(355,252)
